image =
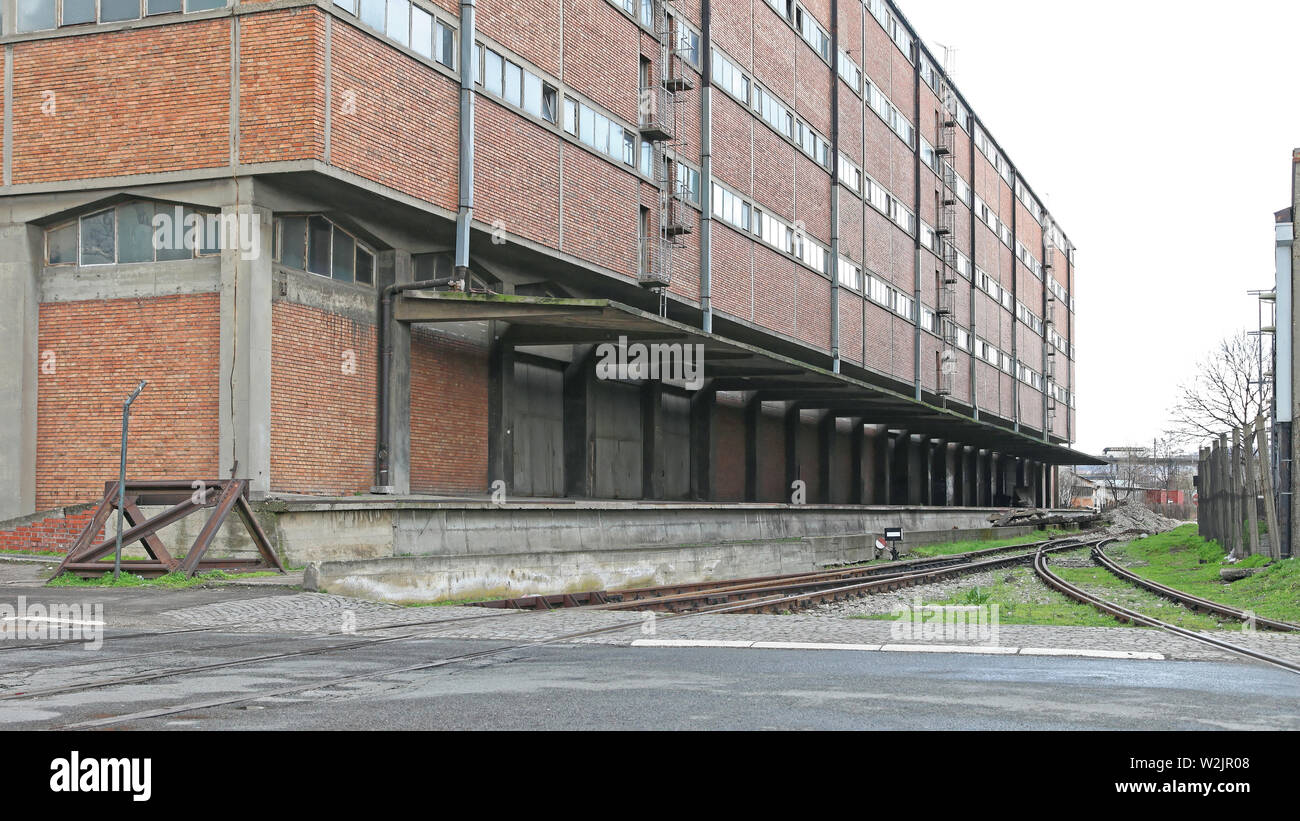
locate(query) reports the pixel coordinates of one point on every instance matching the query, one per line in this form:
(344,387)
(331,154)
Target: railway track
(685,597)
(733,596)
(1126,614)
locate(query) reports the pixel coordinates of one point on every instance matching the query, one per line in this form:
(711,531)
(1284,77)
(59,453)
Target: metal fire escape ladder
(1049,325)
(662,125)
(946,233)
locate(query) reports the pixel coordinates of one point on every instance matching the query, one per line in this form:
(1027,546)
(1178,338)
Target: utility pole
(121,479)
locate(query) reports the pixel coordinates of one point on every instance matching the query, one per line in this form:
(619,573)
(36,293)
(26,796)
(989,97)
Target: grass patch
(171,580)
(450,602)
(949,548)
(1022,599)
(19,554)
(1183,560)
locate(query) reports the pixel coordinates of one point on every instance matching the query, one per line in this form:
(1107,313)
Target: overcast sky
(1159,135)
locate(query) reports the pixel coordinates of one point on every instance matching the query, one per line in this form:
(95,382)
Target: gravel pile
(1131,517)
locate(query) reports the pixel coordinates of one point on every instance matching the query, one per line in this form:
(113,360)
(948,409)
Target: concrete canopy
(729,365)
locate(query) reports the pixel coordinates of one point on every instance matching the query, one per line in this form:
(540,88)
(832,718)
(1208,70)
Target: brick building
(885,306)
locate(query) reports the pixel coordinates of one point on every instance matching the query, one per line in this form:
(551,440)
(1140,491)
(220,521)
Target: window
(136,231)
(318,246)
(40,15)
(688,183)
(399,21)
(521,88)
(850,274)
(729,77)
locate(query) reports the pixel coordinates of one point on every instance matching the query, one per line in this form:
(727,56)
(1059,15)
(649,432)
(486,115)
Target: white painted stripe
(690,643)
(1092,654)
(49,620)
(949,648)
(811,645)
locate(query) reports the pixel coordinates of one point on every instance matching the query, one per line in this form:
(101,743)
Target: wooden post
(1221,492)
(1266,489)
(1252,488)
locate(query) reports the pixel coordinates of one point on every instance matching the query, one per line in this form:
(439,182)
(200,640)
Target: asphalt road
(583,687)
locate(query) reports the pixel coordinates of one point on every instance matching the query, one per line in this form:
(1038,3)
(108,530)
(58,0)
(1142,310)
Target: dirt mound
(1133,517)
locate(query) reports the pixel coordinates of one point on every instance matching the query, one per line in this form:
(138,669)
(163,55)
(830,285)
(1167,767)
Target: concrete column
(244,426)
(22,255)
(395,267)
(792,422)
(859,465)
(899,453)
(953,474)
(652,439)
(579,377)
(703,465)
(753,416)
(917,470)
(880,467)
(501,415)
(938,468)
(825,443)
(997,479)
(969,483)
(982,471)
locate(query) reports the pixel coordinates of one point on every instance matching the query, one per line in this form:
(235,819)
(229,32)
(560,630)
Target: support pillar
(825,444)
(244,421)
(952,474)
(899,452)
(938,469)
(880,467)
(753,417)
(22,254)
(917,471)
(858,462)
(579,377)
(501,412)
(703,465)
(652,440)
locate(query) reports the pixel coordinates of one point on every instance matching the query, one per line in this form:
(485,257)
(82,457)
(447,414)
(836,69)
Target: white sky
(1159,134)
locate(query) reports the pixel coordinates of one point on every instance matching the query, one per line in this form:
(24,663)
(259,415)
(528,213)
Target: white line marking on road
(811,645)
(949,648)
(690,643)
(1093,654)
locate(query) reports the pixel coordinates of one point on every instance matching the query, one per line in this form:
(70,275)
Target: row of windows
(515,84)
(688,182)
(1030,202)
(849,71)
(985,214)
(775,114)
(892,25)
(39,15)
(603,134)
(741,214)
(1061,394)
(134,232)
(889,297)
(986,147)
(407,24)
(730,77)
(1059,342)
(1031,262)
(990,286)
(803,22)
(992,355)
(889,113)
(318,246)
(1029,376)
(1058,290)
(1029,317)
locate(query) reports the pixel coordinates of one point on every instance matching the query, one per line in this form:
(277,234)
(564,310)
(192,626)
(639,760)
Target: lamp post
(121,478)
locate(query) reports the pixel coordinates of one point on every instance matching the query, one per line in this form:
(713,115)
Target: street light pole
(121,478)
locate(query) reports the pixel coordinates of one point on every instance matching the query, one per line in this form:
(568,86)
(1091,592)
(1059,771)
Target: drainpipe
(465,178)
(835,187)
(706,167)
(382,459)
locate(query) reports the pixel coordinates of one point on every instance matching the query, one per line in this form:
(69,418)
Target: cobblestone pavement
(317,614)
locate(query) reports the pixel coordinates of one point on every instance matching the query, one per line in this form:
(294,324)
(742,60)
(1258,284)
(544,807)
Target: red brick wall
(100,349)
(449,414)
(393,118)
(171,83)
(53,533)
(323,406)
(282,86)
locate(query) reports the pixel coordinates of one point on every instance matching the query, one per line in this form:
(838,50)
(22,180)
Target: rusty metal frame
(184,498)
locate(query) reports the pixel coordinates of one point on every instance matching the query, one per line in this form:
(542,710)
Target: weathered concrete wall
(422,552)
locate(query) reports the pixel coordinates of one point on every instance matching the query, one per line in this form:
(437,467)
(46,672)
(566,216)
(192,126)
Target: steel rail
(1125,614)
(1187,599)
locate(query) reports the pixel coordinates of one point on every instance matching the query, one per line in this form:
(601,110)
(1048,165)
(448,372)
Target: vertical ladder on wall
(1049,324)
(946,232)
(663,125)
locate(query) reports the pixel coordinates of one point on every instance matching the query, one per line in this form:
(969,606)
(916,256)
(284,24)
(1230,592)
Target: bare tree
(1165,469)
(1126,474)
(1226,392)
